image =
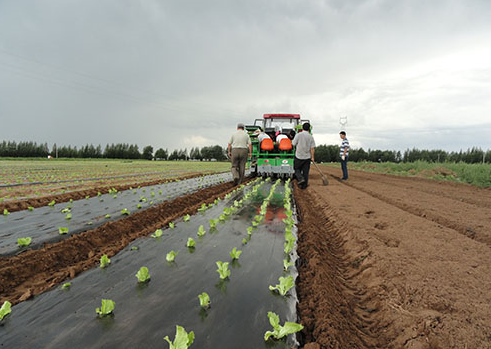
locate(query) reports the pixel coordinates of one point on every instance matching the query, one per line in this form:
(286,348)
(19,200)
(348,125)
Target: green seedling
(286,283)
(223,270)
(191,242)
(227,211)
(204,300)
(30,208)
(152,194)
(106,308)
(244,241)
(186,218)
(158,233)
(125,211)
(222,218)
(235,254)
(201,231)
(66,285)
(287,264)
(213,223)
(66,210)
(171,256)
(52,203)
(5,309)
(68,216)
(107,216)
(105,261)
(172,225)
(6,212)
(182,340)
(99,193)
(63,230)
(87,197)
(134,248)
(278,330)
(255,224)
(203,207)
(249,231)
(22,242)
(289,245)
(142,275)
(138,206)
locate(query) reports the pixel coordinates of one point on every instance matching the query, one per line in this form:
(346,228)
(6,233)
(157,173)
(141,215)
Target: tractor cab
(272,150)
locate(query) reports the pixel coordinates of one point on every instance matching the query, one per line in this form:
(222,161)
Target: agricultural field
(475,174)
(64,179)
(378,261)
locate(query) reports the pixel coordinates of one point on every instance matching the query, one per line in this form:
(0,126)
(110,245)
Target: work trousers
(344,167)
(239,158)
(302,168)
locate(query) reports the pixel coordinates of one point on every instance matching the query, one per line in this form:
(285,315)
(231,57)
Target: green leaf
(201,231)
(191,242)
(284,286)
(172,225)
(134,248)
(182,339)
(235,254)
(66,285)
(142,275)
(107,216)
(125,211)
(105,261)
(5,309)
(24,241)
(244,241)
(223,270)
(66,210)
(52,203)
(62,230)
(204,300)
(222,218)
(171,256)
(186,218)
(139,206)
(158,233)
(68,216)
(278,330)
(287,264)
(213,223)
(30,208)
(106,308)
(249,230)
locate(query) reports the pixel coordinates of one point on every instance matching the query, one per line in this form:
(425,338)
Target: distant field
(57,176)
(475,174)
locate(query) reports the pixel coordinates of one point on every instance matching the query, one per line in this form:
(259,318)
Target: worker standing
(304,154)
(343,153)
(239,147)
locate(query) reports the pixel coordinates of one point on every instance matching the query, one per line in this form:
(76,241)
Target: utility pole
(343,121)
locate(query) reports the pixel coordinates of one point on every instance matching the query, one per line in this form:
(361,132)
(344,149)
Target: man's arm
(250,150)
(312,151)
(229,150)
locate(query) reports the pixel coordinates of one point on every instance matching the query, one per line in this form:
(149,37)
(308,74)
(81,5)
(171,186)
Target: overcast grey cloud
(182,73)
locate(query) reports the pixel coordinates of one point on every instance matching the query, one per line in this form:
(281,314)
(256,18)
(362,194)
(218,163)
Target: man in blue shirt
(343,153)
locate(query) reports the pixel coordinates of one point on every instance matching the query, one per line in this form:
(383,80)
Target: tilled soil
(35,271)
(23,204)
(394,262)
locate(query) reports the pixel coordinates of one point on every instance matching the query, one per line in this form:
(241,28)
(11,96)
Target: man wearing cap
(304,154)
(239,147)
(343,153)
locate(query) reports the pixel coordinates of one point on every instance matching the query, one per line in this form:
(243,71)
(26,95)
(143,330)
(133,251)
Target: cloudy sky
(180,73)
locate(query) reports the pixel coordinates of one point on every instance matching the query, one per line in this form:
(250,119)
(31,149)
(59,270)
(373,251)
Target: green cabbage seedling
(289,245)
(106,308)
(191,242)
(66,285)
(139,206)
(223,270)
(186,218)
(158,233)
(142,275)
(249,231)
(134,248)
(6,212)
(235,254)
(65,210)
(171,256)
(107,216)
(204,300)
(213,223)
(182,339)
(203,207)
(287,264)
(280,331)
(5,309)
(68,216)
(24,241)
(172,225)
(284,286)
(105,261)
(244,241)
(222,218)
(52,203)
(30,208)
(62,230)
(201,231)
(125,211)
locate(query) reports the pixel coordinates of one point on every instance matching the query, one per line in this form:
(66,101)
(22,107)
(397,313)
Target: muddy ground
(394,262)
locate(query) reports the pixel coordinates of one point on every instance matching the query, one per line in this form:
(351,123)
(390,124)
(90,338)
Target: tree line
(323,153)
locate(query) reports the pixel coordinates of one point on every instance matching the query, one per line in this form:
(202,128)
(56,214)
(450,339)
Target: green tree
(147,152)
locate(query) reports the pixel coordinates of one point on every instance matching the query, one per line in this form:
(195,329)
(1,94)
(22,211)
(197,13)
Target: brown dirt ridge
(394,262)
(35,271)
(19,205)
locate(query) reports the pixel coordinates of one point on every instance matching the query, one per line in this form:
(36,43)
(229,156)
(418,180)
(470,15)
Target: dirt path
(402,262)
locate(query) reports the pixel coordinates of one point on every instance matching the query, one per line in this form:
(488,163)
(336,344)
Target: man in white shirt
(238,147)
(304,154)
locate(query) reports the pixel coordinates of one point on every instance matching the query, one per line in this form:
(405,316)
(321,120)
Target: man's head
(342,134)
(306,126)
(240,126)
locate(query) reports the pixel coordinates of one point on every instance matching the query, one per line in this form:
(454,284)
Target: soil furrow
(35,271)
